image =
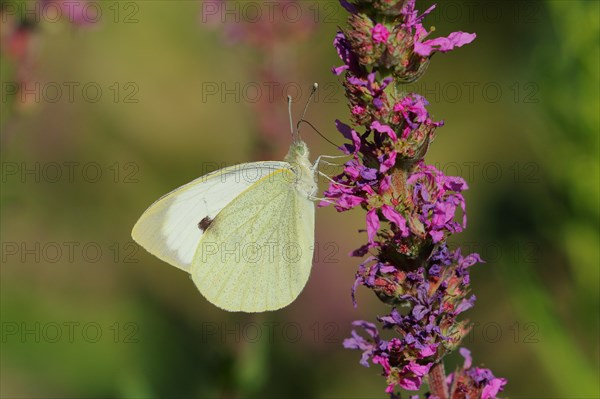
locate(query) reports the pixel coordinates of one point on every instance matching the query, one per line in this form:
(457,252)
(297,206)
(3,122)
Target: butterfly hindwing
(257,253)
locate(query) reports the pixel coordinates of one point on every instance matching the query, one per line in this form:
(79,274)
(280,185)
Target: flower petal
(466,354)
(380,33)
(372,224)
(381,128)
(393,216)
(491,390)
(443,44)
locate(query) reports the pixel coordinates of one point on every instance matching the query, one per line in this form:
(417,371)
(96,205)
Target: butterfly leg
(329,163)
(333,181)
(320,159)
(322,200)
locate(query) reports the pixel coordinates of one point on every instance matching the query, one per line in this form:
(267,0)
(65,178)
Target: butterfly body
(297,157)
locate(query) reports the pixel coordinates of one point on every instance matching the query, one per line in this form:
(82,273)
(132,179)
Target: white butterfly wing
(169,228)
(257,253)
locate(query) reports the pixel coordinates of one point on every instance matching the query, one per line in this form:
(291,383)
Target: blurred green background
(85,313)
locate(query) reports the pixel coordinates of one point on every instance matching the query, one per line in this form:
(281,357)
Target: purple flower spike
(411,208)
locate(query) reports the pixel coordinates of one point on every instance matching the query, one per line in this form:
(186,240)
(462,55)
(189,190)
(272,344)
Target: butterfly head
(298,153)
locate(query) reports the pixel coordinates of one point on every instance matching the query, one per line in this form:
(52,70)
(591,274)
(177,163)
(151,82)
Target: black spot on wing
(204,223)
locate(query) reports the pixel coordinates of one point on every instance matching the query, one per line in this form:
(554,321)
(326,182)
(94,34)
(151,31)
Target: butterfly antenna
(319,133)
(290,114)
(312,94)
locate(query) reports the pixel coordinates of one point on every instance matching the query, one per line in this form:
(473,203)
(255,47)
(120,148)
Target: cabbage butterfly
(245,233)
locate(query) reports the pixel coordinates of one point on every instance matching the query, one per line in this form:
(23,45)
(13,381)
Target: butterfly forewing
(172,227)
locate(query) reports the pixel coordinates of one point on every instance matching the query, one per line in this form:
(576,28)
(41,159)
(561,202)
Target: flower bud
(365,40)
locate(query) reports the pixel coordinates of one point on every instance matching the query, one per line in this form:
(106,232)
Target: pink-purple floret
(427,284)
